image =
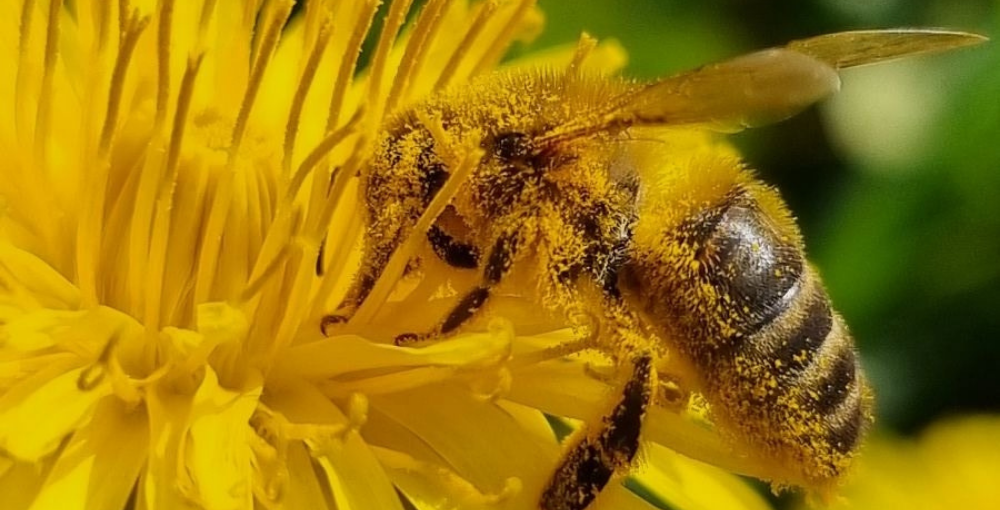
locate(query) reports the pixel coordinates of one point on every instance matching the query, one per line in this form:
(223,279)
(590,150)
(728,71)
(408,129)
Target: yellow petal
(20,483)
(304,490)
(352,354)
(115,441)
(559,387)
(35,330)
(353,474)
(30,282)
(30,429)
(699,440)
(218,448)
(169,416)
(356,478)
(475,438)
(686,484)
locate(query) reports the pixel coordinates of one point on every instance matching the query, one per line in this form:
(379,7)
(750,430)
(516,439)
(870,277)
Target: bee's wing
(863,47)
(774,84)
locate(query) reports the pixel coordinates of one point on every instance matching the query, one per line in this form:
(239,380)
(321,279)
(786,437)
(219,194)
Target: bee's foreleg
(499,262)
(590,463)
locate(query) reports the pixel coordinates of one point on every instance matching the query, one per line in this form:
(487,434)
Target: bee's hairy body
(572,215)
(592,192)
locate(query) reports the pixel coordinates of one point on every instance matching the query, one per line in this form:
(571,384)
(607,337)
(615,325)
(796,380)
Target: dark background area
(895,181)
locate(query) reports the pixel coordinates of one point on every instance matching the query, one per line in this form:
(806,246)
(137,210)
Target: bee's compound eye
(512,145)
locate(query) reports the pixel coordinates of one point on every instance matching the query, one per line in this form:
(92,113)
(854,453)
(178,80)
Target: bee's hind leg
(593,459)
(500,259)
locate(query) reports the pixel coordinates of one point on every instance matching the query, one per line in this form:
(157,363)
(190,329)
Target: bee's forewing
(771,85)
(851,49)
(747,91)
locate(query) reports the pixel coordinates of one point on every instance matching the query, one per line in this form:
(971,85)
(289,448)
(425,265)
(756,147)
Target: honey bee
(607,195)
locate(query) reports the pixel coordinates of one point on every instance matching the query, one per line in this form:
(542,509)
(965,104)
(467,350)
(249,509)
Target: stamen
(277,237)
(48,74)
(102,20)
(204,20)
(393,22)
(208,259)
(397,262)
(584,47)
(23,63)
(322,149)
(123,7)
(503,40)
(349,61)
(486,10)
(492,386)
(357,410)
(90,233)
(133,28)
(461,491)
(305,83)
(255,284)
(337,268)
(160,236)
(163,60)
(413,56)
(317,436)
(270,465)
(272,33)
(91,377)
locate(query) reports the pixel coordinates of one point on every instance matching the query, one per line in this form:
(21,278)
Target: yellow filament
(274,241)
(123,7)
(335,196)
(90,233)
(48,74)
(315,156)
(319,223)
(134,27)
(486,11)
(426,27)
(24,63)
(460,489)
(299,99)
(163,60)
(256,284)
(102,17)
(298,296)
(337,258)
(584,47)
(164,202)
(349,61)
(397,262)
(393,22)
(204,20)
(268,43)
(212,238)
(503,40)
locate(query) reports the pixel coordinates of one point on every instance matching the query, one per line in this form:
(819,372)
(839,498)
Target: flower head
(179,212)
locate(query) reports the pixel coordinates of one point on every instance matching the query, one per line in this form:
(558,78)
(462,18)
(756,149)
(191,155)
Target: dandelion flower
(178,211)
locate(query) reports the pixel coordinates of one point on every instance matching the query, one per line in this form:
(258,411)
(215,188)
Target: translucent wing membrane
(863,47)
(771,85)
(747,91)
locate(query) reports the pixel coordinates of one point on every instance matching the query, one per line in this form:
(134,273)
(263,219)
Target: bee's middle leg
(500,259)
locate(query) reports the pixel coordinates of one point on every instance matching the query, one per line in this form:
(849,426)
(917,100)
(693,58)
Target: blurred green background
(896,181)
